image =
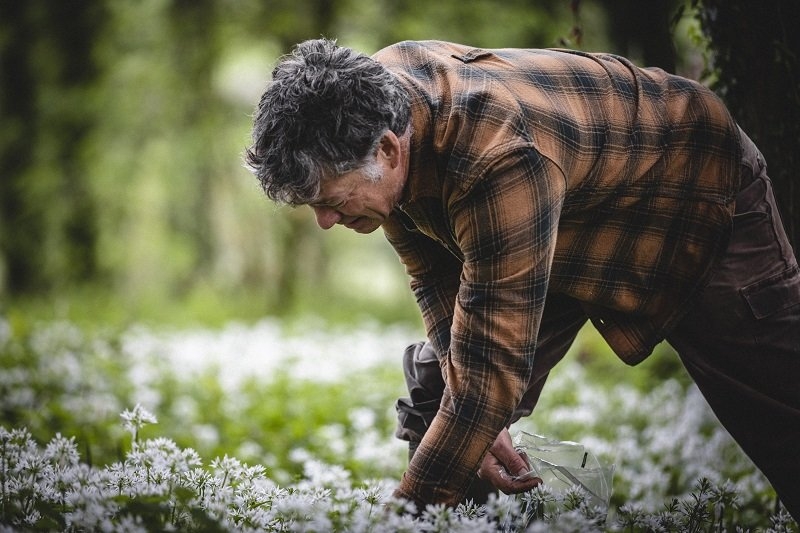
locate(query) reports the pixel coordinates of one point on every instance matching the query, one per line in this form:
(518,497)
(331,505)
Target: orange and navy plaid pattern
(547,170)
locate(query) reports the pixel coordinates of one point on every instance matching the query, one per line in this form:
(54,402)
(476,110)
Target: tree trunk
(756,49)
(47,212)
(194,54)
(21,226)
(641,31)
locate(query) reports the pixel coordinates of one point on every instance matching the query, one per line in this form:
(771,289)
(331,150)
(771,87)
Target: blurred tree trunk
(641,31)
(194,54)
(48,234)
(756,58)
(21,220)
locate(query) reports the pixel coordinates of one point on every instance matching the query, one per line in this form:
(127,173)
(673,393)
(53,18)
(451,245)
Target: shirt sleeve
(505,225)
(435,273)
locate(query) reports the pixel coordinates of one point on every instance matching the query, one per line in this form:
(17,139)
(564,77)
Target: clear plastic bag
(563,464)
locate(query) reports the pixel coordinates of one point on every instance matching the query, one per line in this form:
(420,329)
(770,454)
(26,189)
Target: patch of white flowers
(319,352)
(161,487)
(661,442)
(676,468)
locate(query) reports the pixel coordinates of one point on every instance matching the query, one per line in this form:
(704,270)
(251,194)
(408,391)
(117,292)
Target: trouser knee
(425,387)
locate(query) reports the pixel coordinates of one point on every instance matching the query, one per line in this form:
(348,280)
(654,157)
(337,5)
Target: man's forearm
(448,457)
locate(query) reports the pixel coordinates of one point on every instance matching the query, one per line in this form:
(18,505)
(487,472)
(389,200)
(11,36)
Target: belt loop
(752,161)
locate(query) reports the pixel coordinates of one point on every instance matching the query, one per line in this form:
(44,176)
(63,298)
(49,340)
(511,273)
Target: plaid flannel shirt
(547,170)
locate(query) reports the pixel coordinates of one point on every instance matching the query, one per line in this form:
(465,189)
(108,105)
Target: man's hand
(502,464)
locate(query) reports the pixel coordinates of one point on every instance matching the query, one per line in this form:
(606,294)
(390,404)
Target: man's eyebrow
(321,202)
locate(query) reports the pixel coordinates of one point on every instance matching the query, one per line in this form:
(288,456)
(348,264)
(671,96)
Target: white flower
(136,419)
(62,451)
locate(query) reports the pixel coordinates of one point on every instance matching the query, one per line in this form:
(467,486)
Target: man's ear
(390,149)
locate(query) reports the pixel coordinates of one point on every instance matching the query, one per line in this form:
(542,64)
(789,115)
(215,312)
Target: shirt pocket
(471,55)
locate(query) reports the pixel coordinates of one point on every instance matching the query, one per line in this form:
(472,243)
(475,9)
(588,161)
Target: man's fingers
(503,481)
(516,465)
(496,473)
(515,462)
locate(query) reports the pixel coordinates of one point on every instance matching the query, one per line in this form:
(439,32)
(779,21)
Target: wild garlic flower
(135,419)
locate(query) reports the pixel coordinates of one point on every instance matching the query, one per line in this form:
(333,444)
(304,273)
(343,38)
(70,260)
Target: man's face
(355,201)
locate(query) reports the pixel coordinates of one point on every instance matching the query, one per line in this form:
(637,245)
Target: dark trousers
(740,342)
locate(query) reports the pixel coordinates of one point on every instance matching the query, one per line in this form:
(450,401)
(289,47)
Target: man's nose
(326,216)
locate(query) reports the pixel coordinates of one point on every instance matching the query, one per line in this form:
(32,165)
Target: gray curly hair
(323,114)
